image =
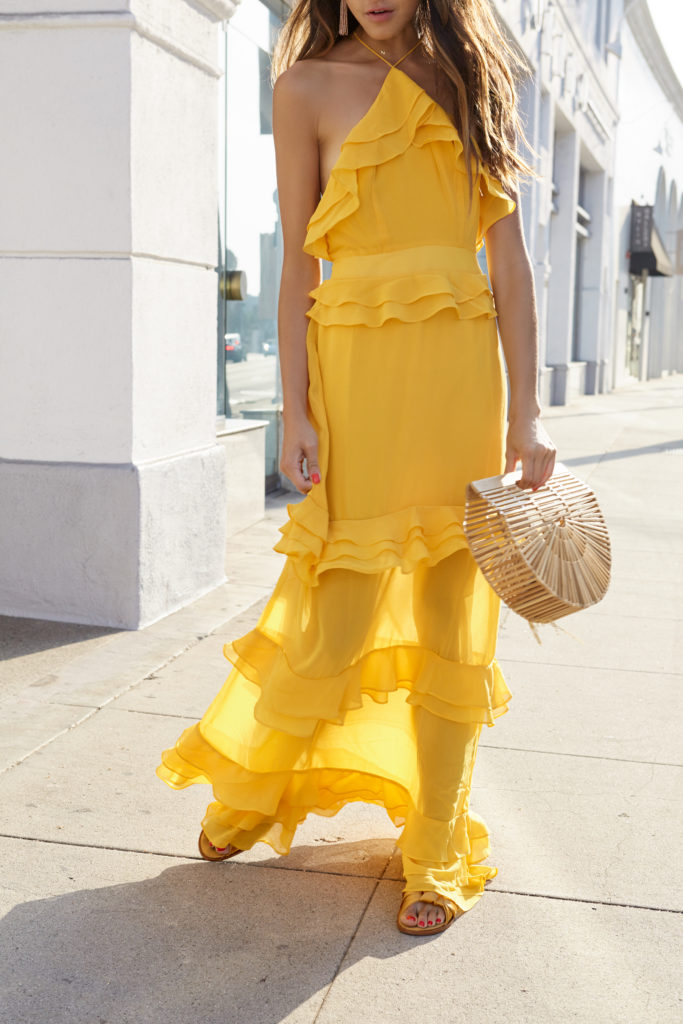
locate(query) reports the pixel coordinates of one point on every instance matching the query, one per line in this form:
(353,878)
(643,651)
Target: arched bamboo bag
(546,553)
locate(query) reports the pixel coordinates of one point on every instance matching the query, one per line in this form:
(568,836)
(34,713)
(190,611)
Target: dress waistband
(417,259)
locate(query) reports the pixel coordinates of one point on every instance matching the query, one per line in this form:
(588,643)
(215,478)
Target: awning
(648,251)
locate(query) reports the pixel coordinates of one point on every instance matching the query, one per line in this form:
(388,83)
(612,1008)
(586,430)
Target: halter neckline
(378,54)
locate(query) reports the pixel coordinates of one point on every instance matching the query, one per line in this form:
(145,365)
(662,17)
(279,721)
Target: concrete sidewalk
(112,918)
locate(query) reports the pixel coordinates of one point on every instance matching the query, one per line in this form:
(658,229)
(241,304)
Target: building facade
(604,117)
(647,339)
(569,102)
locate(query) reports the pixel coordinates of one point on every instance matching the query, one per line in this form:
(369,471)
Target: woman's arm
(512,284)
(298,182)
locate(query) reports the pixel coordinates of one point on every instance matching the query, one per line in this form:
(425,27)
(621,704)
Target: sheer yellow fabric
(371,670)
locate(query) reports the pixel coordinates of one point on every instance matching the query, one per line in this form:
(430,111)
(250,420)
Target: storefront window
(251,236)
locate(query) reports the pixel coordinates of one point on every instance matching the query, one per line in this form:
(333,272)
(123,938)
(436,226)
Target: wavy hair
(480,67)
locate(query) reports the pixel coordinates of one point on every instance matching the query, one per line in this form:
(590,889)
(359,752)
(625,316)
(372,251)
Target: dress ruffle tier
(386,132)
(405,538)
(267,783)
(296,704)
(409,285)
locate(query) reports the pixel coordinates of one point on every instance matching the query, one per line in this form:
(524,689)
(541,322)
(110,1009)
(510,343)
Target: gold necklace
(382,54)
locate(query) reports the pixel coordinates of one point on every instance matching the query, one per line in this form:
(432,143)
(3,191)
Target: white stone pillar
(563,263)
(112,485)
(658,288)
(541,254)
(670,331)
(678,292)
(622,299)
(593,296)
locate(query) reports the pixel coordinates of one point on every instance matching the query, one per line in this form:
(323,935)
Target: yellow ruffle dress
(371,670)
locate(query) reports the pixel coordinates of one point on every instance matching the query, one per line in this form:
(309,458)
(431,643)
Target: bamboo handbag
(546,553)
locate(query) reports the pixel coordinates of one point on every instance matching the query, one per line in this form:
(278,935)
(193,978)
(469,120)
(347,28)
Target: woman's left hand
(528,441)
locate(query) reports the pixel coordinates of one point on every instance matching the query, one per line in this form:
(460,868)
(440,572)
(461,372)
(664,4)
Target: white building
(648,341)
(604,112)
(123,266)
(571,114)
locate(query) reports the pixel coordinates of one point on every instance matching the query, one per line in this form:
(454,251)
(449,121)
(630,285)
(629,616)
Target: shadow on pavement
(210,943)
(626,453)
(19,636)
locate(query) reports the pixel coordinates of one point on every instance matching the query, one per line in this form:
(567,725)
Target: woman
(371,670)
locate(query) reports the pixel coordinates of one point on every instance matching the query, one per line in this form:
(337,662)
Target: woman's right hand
(300,442)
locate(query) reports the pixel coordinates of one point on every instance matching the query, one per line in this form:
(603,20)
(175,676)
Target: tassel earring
(343,18)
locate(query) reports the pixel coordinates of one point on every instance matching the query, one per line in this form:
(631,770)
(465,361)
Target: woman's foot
(425,913)
(422,914)
(211,852)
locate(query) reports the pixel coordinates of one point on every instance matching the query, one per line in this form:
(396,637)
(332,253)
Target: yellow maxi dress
(371,670)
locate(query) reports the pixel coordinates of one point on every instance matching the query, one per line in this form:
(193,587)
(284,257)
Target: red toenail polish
(422,924)
(410,917)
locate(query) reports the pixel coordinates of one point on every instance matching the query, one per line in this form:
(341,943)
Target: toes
(430,915)
(409,916)
(423,915)
(426,916)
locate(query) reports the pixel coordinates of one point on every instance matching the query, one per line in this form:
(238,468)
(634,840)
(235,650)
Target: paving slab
(106,666)
(512,958)
(168,941)
(209,612)
(96,786)
(258,563)
(595,712)
(589,639)
(26,725)
(662,536)
(580,828)
(187,685)
(96,677)
(35,713)
(640,565)
(31,648)
(635,488)
(628,534)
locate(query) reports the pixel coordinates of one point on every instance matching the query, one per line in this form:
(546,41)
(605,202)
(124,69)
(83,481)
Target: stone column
(592,303)
(112,485)
(541,252)
(563,263)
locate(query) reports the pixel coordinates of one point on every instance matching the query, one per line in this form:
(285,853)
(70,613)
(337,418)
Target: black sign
(642,221)
(648,251)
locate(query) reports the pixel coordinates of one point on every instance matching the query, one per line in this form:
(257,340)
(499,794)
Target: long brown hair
(464,39)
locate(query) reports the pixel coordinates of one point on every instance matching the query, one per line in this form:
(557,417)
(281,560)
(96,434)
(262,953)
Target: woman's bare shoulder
(305,81)
(301,81)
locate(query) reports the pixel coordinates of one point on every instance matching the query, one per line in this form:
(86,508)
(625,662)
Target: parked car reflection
(233,348)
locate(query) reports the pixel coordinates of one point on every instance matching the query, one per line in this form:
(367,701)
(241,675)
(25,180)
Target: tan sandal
(211,852)
(451,911)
